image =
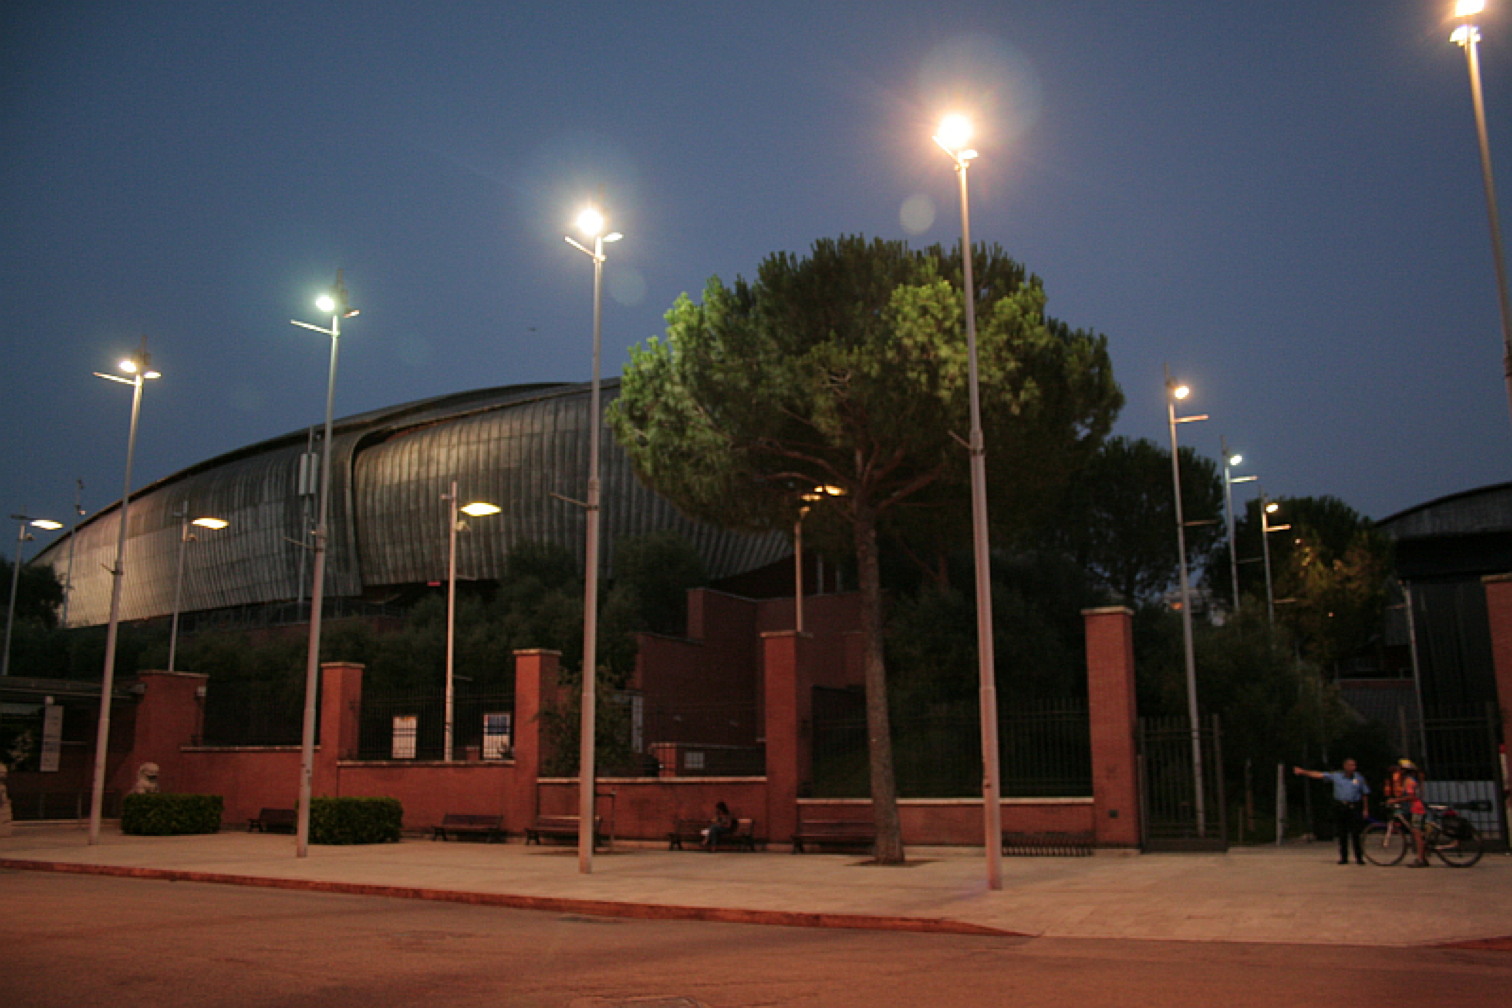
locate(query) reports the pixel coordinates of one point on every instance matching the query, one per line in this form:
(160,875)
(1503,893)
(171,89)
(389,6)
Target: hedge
(355,820)
(170,814)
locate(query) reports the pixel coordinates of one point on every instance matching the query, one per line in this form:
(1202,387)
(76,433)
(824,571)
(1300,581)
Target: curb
(553,904)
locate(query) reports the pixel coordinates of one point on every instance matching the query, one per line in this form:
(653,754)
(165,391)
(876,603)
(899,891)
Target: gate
(1458,751)
(1167,786)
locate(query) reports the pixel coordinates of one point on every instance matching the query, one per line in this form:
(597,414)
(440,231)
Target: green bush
(170,814)
(355,820)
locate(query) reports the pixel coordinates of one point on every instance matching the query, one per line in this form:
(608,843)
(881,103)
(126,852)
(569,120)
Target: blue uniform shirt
(1347,787)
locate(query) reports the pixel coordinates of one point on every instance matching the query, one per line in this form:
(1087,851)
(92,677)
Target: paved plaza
(1291,894)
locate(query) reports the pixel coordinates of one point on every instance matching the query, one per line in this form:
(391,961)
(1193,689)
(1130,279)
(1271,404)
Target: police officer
(1349,791)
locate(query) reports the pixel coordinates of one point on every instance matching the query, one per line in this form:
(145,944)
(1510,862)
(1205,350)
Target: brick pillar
(1113,721)
(340,721)
(789,702)
(170,715)
(1499,615)
(535,689)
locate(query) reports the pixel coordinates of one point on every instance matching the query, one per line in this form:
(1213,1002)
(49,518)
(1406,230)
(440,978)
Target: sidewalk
(1293,894)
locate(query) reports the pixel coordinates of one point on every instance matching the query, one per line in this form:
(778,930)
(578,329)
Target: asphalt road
(76,941)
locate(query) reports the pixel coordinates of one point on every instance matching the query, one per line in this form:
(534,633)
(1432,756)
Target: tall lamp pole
(22,537)
(454,524)
(1269,507)
(185,538)
(73,536)
(1174,394)
(591,223)
(1467,36)
(1230,460)
(140,369)
(953,135)
(334,302)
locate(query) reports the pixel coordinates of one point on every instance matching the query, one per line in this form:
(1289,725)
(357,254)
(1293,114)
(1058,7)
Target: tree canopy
(848,369)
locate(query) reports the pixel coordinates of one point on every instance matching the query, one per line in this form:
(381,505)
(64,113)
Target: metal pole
(1468,38)
(451,614)
(317,598)
(1199,803)
(1228,510)
(1270,598)
(178,585)
(992,810)
(587,783)
(10,609)
(798,571)
(117,575)
(73,535)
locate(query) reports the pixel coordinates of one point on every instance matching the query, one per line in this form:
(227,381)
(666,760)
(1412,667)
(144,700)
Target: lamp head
(1468,8)
(46,523)
(478,509)
(1272,507)
(1180,391)
(140,364)
(210,523)
(591,223)
(954,132)
(1235,459)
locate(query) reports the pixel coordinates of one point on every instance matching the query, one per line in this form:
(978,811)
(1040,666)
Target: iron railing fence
(412,726)
(1044,751)
(242,712)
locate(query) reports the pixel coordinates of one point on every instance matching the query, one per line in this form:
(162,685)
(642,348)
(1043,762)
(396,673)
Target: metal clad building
(522,447)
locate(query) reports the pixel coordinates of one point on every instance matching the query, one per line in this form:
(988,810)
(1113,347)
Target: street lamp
(1230,460)
(140,369)
(22,536)
(1175,393)
(334,302)
(1467,36)
(476,509)
(1269,507)
(809,497)
(953,135)
(591,223)
(185,538)
(73,536)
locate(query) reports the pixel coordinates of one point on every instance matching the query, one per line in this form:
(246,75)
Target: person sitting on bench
(722,825)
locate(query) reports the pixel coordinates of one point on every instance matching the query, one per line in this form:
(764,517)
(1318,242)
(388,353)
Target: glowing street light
(954,132)
(1467,37)
(185,538)
(591,223)
(334,302)
(1230,461)
(1269,507)
(818,493)
(454,524)
(1177,393)
(22,537)
(141,371)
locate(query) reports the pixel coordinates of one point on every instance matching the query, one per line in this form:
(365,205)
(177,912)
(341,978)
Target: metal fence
(253,713)
(413,727)
(1044,750)
(1172,819)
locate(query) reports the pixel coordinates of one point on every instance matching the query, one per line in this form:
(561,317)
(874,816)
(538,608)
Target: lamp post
(1467,36)
(591,223)
(476,509)
(1269,507)
(22,537)
(953,135)
(1175,393)
(141,371)
(334,302)
(1230,460)
(185,538)
(808,498)
(73,536)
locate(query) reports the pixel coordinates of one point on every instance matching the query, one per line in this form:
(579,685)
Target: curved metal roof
(523,447)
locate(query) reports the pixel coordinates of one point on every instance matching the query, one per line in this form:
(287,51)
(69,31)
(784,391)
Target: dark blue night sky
(1281,200)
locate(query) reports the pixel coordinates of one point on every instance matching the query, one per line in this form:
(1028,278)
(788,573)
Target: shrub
(355,820)
(170,814)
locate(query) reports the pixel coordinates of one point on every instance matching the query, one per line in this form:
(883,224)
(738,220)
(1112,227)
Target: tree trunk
(884,787)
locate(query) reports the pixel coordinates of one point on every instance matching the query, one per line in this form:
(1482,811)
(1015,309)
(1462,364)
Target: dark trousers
(1349,820)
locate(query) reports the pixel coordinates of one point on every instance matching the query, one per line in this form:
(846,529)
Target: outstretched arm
(1314,774)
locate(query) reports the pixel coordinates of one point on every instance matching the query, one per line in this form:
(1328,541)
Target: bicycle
(1446,833)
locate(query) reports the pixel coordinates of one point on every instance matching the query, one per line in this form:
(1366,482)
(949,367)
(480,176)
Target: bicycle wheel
(1383,845)
(1460,852)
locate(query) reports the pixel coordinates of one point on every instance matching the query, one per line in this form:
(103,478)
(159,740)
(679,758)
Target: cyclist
(1405,794)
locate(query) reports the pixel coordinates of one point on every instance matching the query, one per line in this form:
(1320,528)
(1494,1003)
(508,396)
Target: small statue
(147,779)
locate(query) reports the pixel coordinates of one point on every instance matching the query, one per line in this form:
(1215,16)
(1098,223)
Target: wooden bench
(1049,844)
(273,820)
(562,827)
(834,832)
(455,825)
(743,837)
